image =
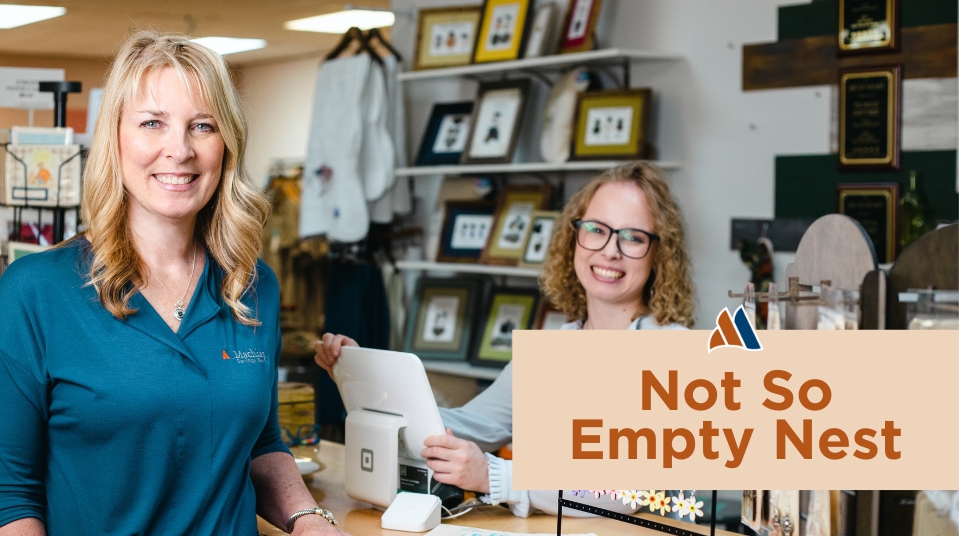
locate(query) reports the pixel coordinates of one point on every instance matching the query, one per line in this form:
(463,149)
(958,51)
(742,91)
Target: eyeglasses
(632,243)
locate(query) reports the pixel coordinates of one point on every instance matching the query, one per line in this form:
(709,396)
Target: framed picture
(548,316)
(578,31)
(440,325)
(446,134)
(466,229)
(496,119)
(611,124)
(537,240)
(18,250)
(870,105)
(514,214)
(752,507)
(868,26)
(874,206)
(502,30)
(445,37)
(508,309)
(42,175)
(542,39)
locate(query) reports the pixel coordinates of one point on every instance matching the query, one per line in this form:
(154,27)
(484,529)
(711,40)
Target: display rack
(59,212)
(465,268)
(608,56)
(632,520)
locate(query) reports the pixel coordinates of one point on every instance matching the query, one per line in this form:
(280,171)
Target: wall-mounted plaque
(868,26)
(869,118)
(873,205)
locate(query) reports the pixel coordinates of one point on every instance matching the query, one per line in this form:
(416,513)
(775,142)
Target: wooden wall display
(926,52)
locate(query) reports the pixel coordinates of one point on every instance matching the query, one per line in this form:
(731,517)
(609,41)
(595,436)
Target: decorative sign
(869,118)
(868,25)
(873,205)
(19,87)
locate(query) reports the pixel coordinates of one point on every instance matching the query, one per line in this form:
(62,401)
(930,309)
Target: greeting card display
(42,175)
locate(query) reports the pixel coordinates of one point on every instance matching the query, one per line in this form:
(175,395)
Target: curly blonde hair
(230,225)
(669,291)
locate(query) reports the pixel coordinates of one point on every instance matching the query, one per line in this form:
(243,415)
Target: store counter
(359,519)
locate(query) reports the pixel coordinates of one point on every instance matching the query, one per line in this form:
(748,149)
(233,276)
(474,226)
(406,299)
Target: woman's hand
(457,461)
(328,350)
(314,525)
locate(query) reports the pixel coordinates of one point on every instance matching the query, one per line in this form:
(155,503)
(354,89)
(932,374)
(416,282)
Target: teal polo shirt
(122,426)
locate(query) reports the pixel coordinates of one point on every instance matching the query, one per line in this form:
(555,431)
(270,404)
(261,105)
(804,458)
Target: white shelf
(461,368)
(610,55)
(464,268)
(526,167)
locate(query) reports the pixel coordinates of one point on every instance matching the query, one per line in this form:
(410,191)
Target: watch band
(325,514)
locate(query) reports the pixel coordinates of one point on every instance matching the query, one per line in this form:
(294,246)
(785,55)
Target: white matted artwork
(509,316)
(495,122)
(452,135)
(541,229)
(452,38)
(440,325)
(502,30)
(609,125)
(514,226)
(470,231)
(37,179)
(540,41)
(579,23)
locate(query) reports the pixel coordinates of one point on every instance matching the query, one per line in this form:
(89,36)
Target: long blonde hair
(668,292)
(230,225)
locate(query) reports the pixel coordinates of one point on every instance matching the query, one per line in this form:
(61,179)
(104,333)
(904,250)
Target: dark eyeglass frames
(632,243)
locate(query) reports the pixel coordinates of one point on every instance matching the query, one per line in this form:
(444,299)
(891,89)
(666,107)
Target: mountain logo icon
(734,330)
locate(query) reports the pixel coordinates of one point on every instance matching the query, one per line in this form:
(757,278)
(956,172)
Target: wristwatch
(326,514)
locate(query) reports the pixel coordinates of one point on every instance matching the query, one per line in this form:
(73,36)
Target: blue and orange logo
(734,331)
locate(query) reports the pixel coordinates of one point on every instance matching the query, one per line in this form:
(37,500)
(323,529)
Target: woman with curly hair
(617,260)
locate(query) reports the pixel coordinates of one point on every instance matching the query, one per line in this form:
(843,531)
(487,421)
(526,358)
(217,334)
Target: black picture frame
(870,118)
(452,250)
(875,206)
(869,26)
(492,95)
(468,292)
(428,155)
(486,350)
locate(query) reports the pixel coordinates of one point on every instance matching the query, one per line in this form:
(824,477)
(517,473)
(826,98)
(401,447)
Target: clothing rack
(365,41)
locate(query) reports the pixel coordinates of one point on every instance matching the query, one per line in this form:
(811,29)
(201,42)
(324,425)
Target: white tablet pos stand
(390,413)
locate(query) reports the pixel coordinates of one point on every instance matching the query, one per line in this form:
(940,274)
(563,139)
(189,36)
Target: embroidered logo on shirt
(249,356)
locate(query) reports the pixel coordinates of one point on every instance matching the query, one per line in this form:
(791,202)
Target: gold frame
(890,193)
(893,75)
(639,99)
(891,42)
(480,54)
(539,196)
(428,17)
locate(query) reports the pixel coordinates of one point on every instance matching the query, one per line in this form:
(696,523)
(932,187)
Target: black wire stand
(59,212)
(632,520)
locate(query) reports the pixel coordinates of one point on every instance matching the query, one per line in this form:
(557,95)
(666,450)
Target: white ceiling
(94,29)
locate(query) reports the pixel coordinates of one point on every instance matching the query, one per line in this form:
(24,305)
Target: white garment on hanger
(559,115)
(397,200)
(333,202)
(376,149)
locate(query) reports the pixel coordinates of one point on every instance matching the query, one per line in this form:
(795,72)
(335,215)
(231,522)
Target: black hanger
(375,33)
(352,34)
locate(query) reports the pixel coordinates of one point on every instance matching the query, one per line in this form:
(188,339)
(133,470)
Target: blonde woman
(138,362)
(617,260)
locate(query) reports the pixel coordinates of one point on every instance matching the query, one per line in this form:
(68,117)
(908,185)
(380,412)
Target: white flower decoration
(632,497)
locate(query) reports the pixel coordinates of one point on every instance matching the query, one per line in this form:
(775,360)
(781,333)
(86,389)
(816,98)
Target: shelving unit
(525,167)
(464,268)
(609,56)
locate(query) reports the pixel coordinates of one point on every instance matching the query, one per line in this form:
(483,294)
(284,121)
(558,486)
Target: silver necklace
(178,311)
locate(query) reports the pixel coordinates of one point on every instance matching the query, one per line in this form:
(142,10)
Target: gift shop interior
(431,166)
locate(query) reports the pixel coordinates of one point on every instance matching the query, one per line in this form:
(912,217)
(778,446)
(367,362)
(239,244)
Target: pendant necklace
(178,311)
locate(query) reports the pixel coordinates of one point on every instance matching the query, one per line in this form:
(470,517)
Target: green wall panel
(806,185)
(822,17)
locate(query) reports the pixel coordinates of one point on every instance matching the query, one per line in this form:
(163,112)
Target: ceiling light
(341,21)
(229,45)
(12,16)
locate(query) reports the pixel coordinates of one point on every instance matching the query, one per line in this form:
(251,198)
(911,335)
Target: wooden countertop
(360,519)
